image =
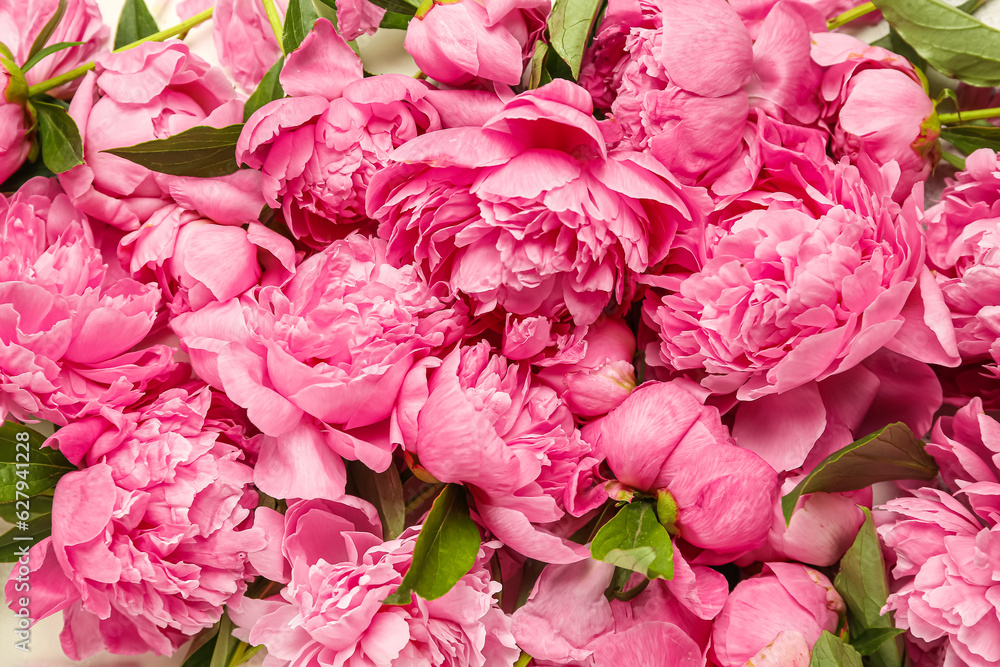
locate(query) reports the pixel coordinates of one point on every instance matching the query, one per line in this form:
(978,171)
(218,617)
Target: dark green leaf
(862,583)
(970,6)
(43,37)
(969,138)
(14,540)
(872,639)
(395,20)
(40,469)
(891,453)
(556,68)
(954,160)
(299,20)
(200,151)
(384,490)
(570,24)
(403,7)
(831,651)
(35,507)
(134,23)
(202,657)
(446,549)
(225,643)
(636,541)
(537,65)
(268,90)
(62,147)
(47,51)
(954,43)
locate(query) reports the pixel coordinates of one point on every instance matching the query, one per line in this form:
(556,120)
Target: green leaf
(952,42)
(570,25)
(403,7)
(200,151)
(225,643)
(203,656)
(40,467)
(635,540)
(954,160)
(134,23)
(43,36)
(25,173)
(831,651)
(890,453)
(384,490)
(36,506)
(395,20)
(446,549)
(872,639)
(299,20)
(969,138)
(862,583)
(47,51)
(14,540)
(62,147)
(268,90)
(893,42)
(537,65)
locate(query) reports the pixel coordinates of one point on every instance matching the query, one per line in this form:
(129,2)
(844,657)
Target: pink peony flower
(358,17)
(319,148)
(331,611)
(14,144)
(21,21)
(604,377)
(497,210)
(878,107)
(803,290)
(457,42)
(322,358)
(947,565)
(567,620)
(486,423)
(661,439)
(70,328)
(180,251)
(966,446)
(775,618)
(150,92)
(151,539)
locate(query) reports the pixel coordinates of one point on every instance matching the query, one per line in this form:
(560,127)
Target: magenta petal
(706,49)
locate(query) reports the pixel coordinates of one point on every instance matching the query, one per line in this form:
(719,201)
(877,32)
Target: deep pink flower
(151,539)
(530,212)
(662,439)
(778,613)
(322,357)
(331,612)
(22,20)
(150,92)
(481,421)
(68,324)
(318,149)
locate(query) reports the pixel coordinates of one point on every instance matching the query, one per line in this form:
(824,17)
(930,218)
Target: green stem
(850,15)
(523,660)
(178,29)
(963,116)
(275,21)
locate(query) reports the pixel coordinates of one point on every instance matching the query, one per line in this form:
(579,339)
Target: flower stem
(275,21)
(178,29)
(974,114)
(850,15)
(523,660)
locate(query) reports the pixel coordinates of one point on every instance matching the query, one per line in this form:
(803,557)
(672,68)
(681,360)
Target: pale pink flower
(331,612)
(481,421)
(151,539)
(498,211)
(321,358)
(69,327)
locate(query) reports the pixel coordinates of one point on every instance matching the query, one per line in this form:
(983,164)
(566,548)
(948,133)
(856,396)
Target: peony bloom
(496,38)
(318,149)
(69,322)
(603,377)
(803,290)
(963,240)
(14,145)
(486,423)
(358,17)
(338,571)
(775,618)
(321,358)
(151,539)
(530,212)
(661,439)
(21,21)
(568,620)
(150,92)
(878,107)
(179,250)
